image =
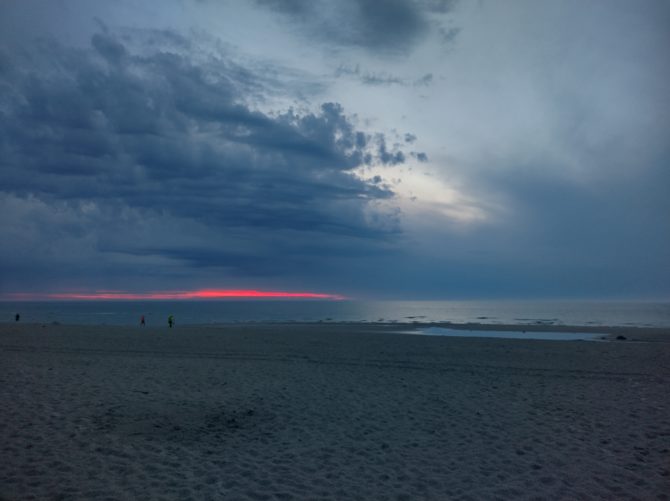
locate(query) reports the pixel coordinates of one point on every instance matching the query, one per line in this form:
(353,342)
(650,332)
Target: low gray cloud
(381,78)
(97,143)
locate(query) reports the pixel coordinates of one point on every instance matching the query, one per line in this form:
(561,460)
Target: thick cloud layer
(412,149)
(122,152)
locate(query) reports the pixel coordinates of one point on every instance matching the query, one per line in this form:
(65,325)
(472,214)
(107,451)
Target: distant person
(17,317)
(142,322)
(170,321)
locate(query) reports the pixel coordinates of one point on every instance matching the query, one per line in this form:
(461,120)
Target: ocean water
(585,313)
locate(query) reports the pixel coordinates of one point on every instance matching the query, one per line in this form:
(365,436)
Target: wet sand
(330,411)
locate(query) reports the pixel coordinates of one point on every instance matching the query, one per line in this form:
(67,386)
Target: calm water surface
(230,311)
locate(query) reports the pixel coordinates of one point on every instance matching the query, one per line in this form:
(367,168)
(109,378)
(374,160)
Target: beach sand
(325,411)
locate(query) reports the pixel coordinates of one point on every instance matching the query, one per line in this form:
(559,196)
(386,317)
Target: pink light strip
(197,294)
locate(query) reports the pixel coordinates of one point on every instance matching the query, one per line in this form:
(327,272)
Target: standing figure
(17,317)
(170,321)
(142,322)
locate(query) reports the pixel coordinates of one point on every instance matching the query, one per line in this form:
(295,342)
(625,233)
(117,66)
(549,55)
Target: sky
(373,149)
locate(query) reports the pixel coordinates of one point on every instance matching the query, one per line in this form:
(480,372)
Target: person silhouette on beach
(170,321)
(17,317)
(142,322)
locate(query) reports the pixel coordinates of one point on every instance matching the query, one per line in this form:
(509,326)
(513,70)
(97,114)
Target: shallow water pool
(547,336)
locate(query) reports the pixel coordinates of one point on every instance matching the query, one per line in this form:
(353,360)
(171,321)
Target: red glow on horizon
(197,294)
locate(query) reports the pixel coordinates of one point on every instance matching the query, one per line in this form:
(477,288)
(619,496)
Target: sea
(211,312)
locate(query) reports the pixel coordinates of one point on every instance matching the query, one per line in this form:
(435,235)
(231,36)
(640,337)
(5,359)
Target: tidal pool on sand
(547,336)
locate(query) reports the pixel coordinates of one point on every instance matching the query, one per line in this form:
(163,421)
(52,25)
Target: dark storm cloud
(96,143)
(377,25)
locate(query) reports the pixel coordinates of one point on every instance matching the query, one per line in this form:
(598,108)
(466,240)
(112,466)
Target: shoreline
(640,333)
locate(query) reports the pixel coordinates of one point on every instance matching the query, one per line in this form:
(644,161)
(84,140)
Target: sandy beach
(322,411)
